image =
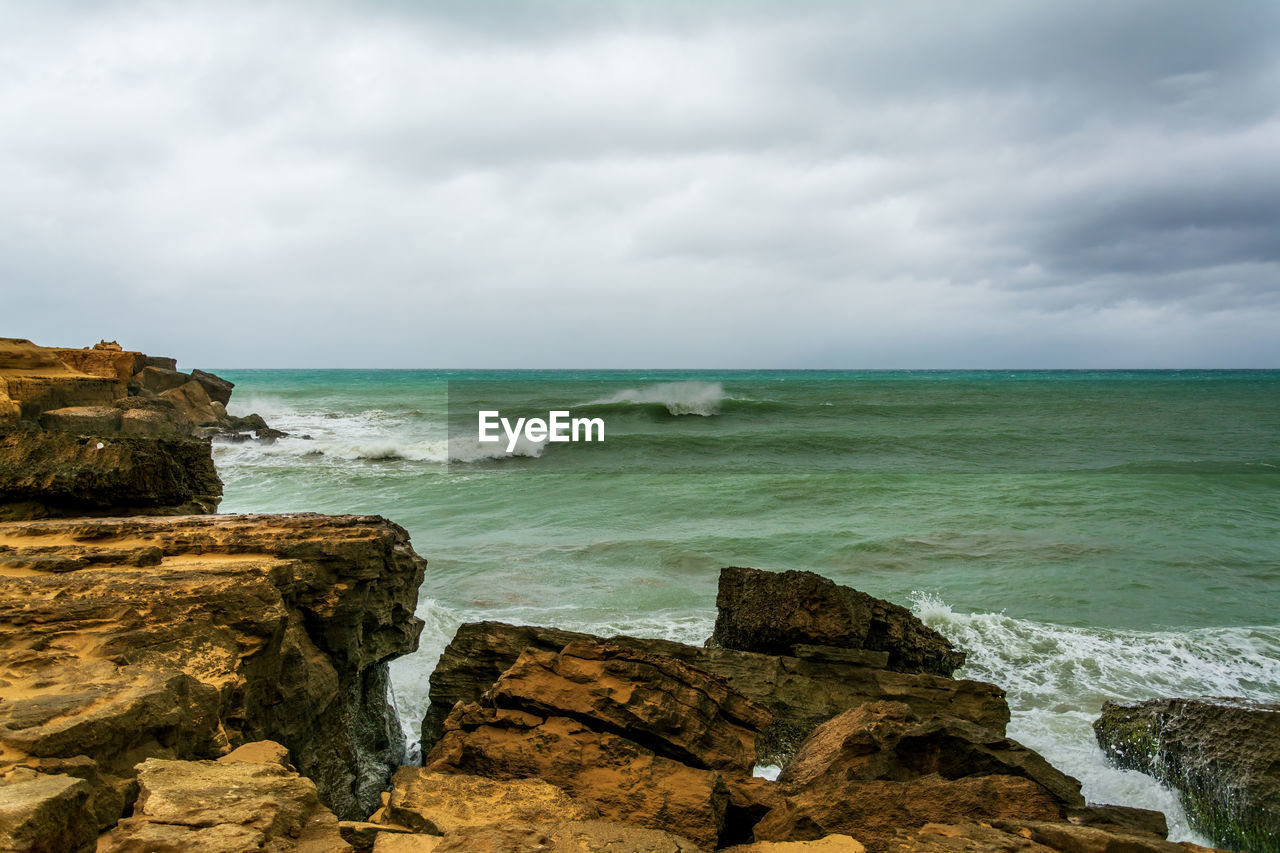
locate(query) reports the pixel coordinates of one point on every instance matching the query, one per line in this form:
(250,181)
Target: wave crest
(678,398)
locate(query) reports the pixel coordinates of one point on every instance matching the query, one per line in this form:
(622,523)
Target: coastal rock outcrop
(642,737)
(800,692)
(104,431)
(125,639)
(1222,756)
(879,767)
(779,613)
(440,803)
(227,805)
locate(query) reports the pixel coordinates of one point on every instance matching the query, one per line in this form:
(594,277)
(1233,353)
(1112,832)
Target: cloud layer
(726,184)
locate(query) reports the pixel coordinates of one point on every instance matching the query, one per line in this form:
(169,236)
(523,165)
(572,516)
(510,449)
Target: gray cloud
(645,184)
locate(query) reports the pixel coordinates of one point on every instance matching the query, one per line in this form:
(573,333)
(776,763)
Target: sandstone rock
(774,612)
(624,780)
(826,844)
(800,692)
(592,836)
(191,404)
(157,380)
(668,706)
(363,835)
(244,628)
(887,741)
(83,420)
(110,364)
(1221,756)
(160,361)
(260,752)
(438,803)
(874,811)
(46,814)
(147,423)
(218,389)
(232,807)
(47,473)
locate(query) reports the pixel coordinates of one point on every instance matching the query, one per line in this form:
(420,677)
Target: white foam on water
(1057,678)
(680,398)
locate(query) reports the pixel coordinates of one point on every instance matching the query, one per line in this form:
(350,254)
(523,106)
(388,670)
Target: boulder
(232,807)
(888,741)
(157,380)
(218,389)
(775,612)
(40,813)
(160,361)
(130,638)
(191,404)
(439,803)
(626,781)
(1222,756)
(874,811)
(147,423)
(50,473)
(674,709)
(117,364)
(801,693)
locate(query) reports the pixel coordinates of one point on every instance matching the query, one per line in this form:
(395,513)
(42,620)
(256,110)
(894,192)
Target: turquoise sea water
(1084,535)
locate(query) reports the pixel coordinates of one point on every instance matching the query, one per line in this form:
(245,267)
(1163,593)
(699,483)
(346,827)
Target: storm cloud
(604,184)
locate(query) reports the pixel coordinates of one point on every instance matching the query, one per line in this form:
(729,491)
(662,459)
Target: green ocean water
(1084,535)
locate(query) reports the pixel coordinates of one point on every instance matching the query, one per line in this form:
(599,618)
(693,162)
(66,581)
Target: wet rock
(241,628)
(775,612)
(1222,756)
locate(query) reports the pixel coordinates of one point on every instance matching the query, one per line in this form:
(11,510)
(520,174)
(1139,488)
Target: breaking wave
(677,398)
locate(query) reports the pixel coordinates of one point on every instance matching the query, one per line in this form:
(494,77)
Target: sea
(1082,535)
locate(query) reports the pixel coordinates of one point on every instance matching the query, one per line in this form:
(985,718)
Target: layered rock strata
(104,431)
(181,638)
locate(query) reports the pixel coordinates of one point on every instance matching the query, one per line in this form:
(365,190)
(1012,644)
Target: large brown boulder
(801,693)
(1222,756)
(642,737)
(624,780)
(125,639)
(662,703)
(777,612)
(881,767)
(874,811)
(888,741)
(568,836)
(218,389)
(224,807)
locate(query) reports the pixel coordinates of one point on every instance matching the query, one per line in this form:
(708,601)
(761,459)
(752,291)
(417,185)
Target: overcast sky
(1058,183)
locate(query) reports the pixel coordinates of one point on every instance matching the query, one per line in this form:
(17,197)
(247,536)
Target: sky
(1004,184)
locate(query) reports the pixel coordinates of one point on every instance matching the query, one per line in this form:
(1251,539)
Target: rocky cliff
(181,638)
(105,431)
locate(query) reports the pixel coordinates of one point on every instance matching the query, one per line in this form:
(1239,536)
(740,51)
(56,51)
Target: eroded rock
(438,803)
(212,806)
(125,639)
(776,612)
(1221,756)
